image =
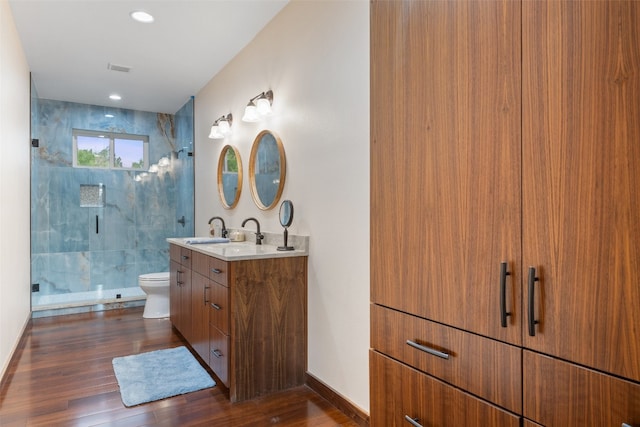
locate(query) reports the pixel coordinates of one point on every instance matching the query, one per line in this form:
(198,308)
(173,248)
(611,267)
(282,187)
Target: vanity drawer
(181,255)
(219,271)
(425,400)
(485,367)
(219,354)
(219,307)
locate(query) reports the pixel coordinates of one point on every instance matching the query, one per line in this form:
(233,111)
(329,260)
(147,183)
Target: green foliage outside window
(91,159)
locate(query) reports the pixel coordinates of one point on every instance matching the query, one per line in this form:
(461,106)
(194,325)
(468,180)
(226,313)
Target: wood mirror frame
(225,178)
(267,165)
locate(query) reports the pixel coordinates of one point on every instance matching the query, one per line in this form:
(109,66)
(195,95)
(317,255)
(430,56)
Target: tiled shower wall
(69,255)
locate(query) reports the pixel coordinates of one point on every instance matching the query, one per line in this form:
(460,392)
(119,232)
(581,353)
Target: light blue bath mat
(159,374)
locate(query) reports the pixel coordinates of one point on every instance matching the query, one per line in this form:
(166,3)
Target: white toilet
(156,286)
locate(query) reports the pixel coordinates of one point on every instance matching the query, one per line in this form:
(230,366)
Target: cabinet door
(445,161)
(200,291)
(581,175)
(400,392)
(558,393)
(174,290)
(186,323)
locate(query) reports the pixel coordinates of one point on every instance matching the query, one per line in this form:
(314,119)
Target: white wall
(15,214)
(314,55)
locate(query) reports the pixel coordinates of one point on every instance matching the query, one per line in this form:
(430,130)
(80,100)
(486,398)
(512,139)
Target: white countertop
(238,251)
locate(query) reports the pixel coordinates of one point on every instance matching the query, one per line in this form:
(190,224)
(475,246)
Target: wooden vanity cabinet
(253,314)
(180,290)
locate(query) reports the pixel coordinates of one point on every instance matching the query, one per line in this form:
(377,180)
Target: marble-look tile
(68,256)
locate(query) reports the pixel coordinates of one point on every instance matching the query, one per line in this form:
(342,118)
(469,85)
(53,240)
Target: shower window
(110,150)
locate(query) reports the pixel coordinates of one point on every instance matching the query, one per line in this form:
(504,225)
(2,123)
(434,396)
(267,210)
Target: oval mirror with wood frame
(229,176)
(267,169)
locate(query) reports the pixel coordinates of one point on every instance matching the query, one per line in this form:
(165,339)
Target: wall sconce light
(221,127)
(255,111)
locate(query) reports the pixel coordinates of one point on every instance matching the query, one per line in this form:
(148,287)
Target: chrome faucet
(259,236)
(224,228)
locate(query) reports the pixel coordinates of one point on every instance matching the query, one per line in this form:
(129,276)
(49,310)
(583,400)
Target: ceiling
(69,45)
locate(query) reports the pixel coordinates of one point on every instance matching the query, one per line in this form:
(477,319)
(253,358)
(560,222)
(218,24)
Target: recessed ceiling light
(115,97)
(142,16)
(109,116)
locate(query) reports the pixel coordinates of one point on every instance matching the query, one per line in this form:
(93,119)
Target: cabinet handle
(413,421)
(217,353)
(216,306)
(426,349)
(216,270)
(532,309)
(184,257)
(503,294)
(97,225)
(626,425)
(204,295)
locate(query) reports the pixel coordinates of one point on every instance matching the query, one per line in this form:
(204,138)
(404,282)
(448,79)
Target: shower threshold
(82,302)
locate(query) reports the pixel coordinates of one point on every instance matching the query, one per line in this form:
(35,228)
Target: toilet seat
(154,277)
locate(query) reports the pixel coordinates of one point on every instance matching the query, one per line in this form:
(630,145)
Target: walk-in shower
(96,228)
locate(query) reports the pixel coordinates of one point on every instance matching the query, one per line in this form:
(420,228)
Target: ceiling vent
(121,68)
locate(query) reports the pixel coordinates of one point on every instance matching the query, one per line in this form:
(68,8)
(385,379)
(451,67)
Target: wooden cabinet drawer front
(200,263)
(181,255)
(219,307)
(174,252)
(219,356)
(487,368)
(219,271)
(398,391)
(558,393)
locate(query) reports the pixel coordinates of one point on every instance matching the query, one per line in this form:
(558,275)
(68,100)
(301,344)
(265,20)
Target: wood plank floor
(62,376)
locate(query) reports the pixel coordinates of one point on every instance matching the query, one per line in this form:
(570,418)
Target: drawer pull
(216,270)
(413,421)
(532,309)
(429,350)
(626,425)
(217,353)
(216,306)
(503,294)
(184,257)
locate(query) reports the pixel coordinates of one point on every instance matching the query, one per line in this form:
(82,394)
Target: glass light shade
(215,132)
(263,106)
(224,127)
(250,113)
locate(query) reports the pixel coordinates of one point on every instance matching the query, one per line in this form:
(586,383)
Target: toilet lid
(153,277)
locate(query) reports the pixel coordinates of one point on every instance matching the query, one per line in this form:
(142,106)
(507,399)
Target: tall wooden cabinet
(505,224)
